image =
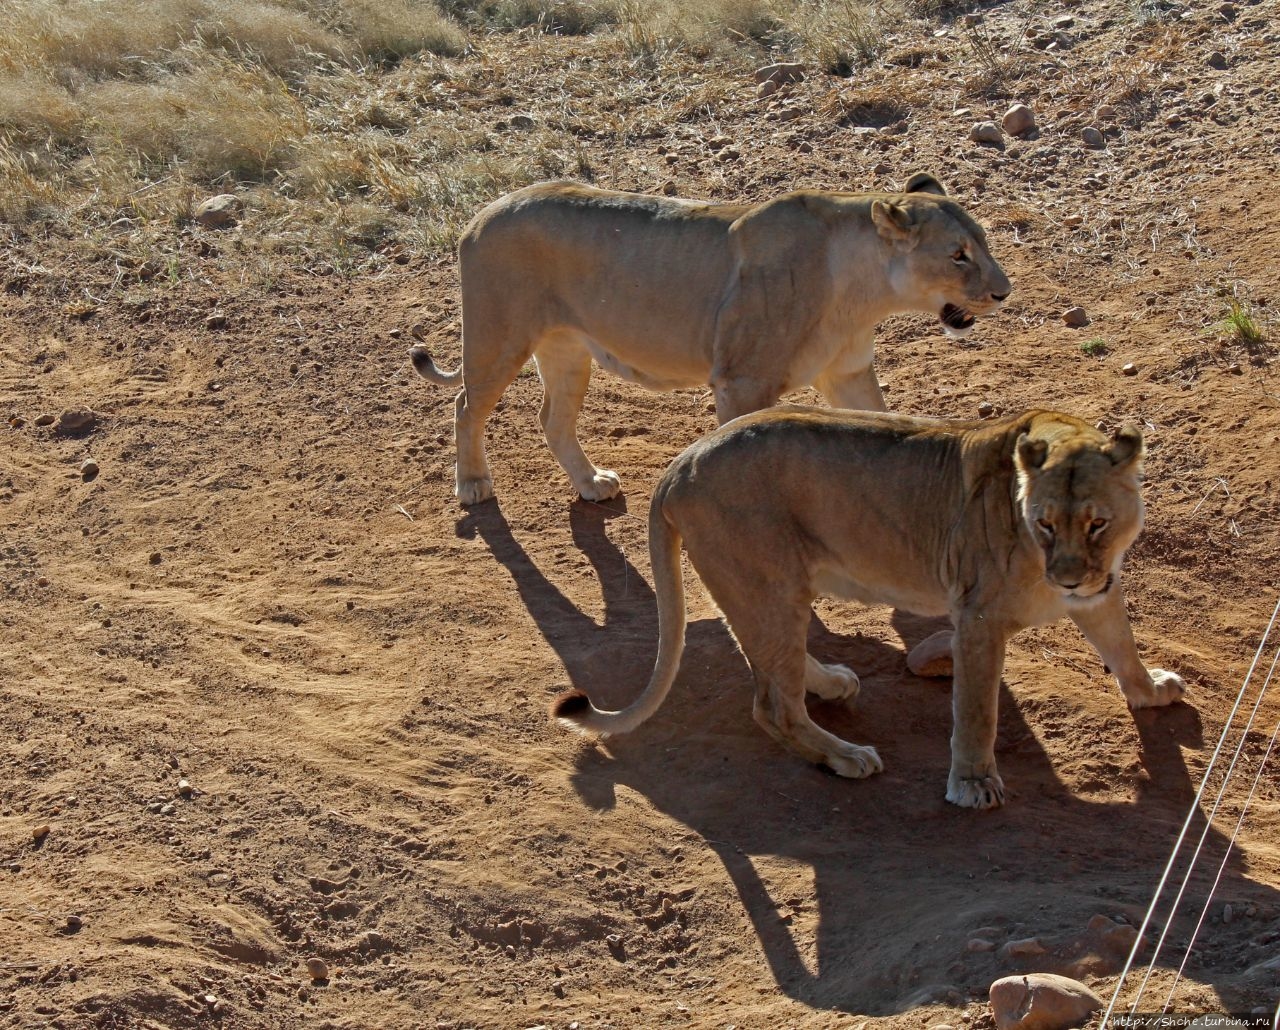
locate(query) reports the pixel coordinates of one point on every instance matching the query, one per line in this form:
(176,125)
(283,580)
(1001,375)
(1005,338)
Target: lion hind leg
(564,365)
(779,709)
(485,382)
(830,682)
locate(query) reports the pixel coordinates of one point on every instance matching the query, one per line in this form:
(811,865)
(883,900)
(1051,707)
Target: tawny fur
(999,525)
(751,299)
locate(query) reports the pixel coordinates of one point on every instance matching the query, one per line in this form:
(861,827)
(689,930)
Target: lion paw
(854,761)
(976,791)
(932,656)
(474,491)
(1166,688)
(603,485)
(832,682)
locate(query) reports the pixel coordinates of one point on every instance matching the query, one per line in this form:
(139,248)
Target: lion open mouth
(956,322)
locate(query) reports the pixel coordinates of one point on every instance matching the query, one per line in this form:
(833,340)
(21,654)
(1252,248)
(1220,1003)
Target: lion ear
(1031,453)
(1126,446)
(893,222)
(923,182)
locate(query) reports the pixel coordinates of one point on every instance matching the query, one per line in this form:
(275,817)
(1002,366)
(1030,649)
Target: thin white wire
(1195,804)
(1204,912)
(1204,834)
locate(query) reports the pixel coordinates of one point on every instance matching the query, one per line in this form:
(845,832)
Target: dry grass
(368,121)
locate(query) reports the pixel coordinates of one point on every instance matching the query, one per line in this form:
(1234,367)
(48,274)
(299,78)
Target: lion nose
(998,297)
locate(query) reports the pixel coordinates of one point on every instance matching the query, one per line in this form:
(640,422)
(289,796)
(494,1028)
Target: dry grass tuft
(389,30)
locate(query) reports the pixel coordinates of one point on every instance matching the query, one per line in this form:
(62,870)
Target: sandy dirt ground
(275,696)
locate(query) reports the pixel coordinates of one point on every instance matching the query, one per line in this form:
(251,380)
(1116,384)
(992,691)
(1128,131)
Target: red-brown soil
(269,591)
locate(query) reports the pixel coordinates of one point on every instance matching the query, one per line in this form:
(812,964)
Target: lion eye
(1097,526)
(959,256)
(1045,527)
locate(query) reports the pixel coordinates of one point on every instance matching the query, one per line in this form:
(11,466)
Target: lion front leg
(979,660)
(1105,624)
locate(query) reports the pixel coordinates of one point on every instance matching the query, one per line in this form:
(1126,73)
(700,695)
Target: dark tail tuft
(421,358)
(570,705)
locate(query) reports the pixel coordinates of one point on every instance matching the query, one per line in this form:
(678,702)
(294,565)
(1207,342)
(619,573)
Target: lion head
(946,253)
(1079,495)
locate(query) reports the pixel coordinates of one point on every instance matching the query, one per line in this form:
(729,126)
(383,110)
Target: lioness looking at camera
(752,299)
(1000,525)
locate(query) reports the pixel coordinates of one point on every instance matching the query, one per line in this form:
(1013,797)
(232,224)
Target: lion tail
(574,710)
(425,366)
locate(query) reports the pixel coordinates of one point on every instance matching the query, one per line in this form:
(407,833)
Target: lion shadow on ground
(589,649)
(911,901)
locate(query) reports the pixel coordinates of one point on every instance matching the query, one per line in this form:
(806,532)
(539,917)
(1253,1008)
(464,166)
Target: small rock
(1071,221)
(1235,369)
(1041,1001)
(1063,21)
(74,923)
(373,941)
(986,409)
(986,132)
(1120,938)
(88,469)
(1227,913)
(1104,112)
(1075,317)
(1092,137)
(1217,61)
(220,212)
(167,809)
(155,558)
(1027,947)
(45,419)
(216,320)
(184,788)
(1228,12)
(767,88)
(1018,120)
(785,71)
(40,832)
(523,122)
(980,944)
(17,422)
(1129,369)
(74,421)
(318,969)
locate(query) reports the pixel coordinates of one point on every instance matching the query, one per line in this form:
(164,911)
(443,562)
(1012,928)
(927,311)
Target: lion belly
(833,581)
(672,371)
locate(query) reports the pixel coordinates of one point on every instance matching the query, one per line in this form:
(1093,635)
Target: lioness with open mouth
(752,299)
(1000,525)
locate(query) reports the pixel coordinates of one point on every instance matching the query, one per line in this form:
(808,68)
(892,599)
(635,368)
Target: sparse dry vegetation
(136,106)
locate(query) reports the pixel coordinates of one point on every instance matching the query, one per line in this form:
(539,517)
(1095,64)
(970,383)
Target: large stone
(220,212)
(1018,120)
(1041,1001)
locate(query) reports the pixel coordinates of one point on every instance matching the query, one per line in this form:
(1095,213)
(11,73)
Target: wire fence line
(1186,825)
